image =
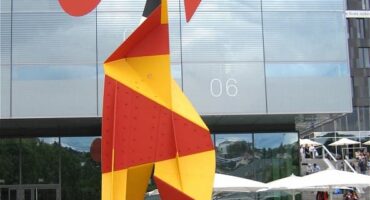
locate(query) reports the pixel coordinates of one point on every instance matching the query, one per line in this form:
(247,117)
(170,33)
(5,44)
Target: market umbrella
(332,178)
(367,143)
(227,183)
(308,142)
(291,182)
(344,141)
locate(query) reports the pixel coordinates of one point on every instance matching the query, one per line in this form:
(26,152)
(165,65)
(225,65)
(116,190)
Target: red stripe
(150,38)
(190,8)
(190,138)
(107,123)
(168,192)
(143,130)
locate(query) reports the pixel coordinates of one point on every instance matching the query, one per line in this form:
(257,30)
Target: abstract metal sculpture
(148,123)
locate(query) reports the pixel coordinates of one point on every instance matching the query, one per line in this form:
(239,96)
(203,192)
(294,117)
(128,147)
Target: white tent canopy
(291,183)
(333,178)
(336,178)
(308,142)
(344,141)
(226,183)
(367,143)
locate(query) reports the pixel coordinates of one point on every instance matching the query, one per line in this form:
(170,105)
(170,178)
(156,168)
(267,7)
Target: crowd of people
(350,195)
(363,160)
(308,151)
(361,164)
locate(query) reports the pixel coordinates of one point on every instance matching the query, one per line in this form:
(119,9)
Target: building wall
(239,57)
(355,125)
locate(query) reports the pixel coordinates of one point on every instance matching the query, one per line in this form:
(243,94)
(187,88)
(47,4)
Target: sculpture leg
(126,184)
(187,177)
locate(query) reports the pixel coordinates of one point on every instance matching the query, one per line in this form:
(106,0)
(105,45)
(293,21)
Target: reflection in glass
(276,155)
(57,90)
(234,153)
(9,161)
(304,36)
(314,87)
(217,36)
(53,38)
(302,5)
(81,176)
(40,160)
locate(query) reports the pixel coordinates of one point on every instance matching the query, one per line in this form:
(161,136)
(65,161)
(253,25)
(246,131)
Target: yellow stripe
(107,186)
(182,106)
(164,13)
(148,75)
(168,171)
(119,185)
(137,181)
(197,174)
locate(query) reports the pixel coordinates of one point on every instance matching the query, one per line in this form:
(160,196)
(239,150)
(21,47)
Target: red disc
(95,150)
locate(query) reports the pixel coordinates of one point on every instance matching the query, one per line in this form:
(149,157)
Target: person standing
(316,168)
(312,151)
(302,152)
(362,165)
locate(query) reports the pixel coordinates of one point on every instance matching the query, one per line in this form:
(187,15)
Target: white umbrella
(332,178)
(308,142)
(367,143)
(344,141)
(292,183)
(227,183)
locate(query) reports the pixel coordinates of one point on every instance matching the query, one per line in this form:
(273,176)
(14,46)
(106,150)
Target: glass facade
(62,167)
(48,168)
(254,56)
(258,156)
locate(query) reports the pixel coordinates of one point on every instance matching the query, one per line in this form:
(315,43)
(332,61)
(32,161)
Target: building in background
(258,71)
(355,125)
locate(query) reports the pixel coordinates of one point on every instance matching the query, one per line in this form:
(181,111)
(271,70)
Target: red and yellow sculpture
(149,124)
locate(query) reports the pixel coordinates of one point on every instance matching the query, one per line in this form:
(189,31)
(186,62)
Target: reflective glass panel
(5,68)
(234,152)
(40,160)
(5,6)
(130,6)
(54,38)
(217,36)
(226,6)
(64,91)
(305,36)
(314,87)
(368,85)
(275,155)
(229,88)
(9,161)
(5,91)
(302,5)
(5,34)
(81,176)
(45,6)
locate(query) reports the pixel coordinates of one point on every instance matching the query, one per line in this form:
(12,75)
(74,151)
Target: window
(368,85)
(364,57)
(365,4)
(360,25)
